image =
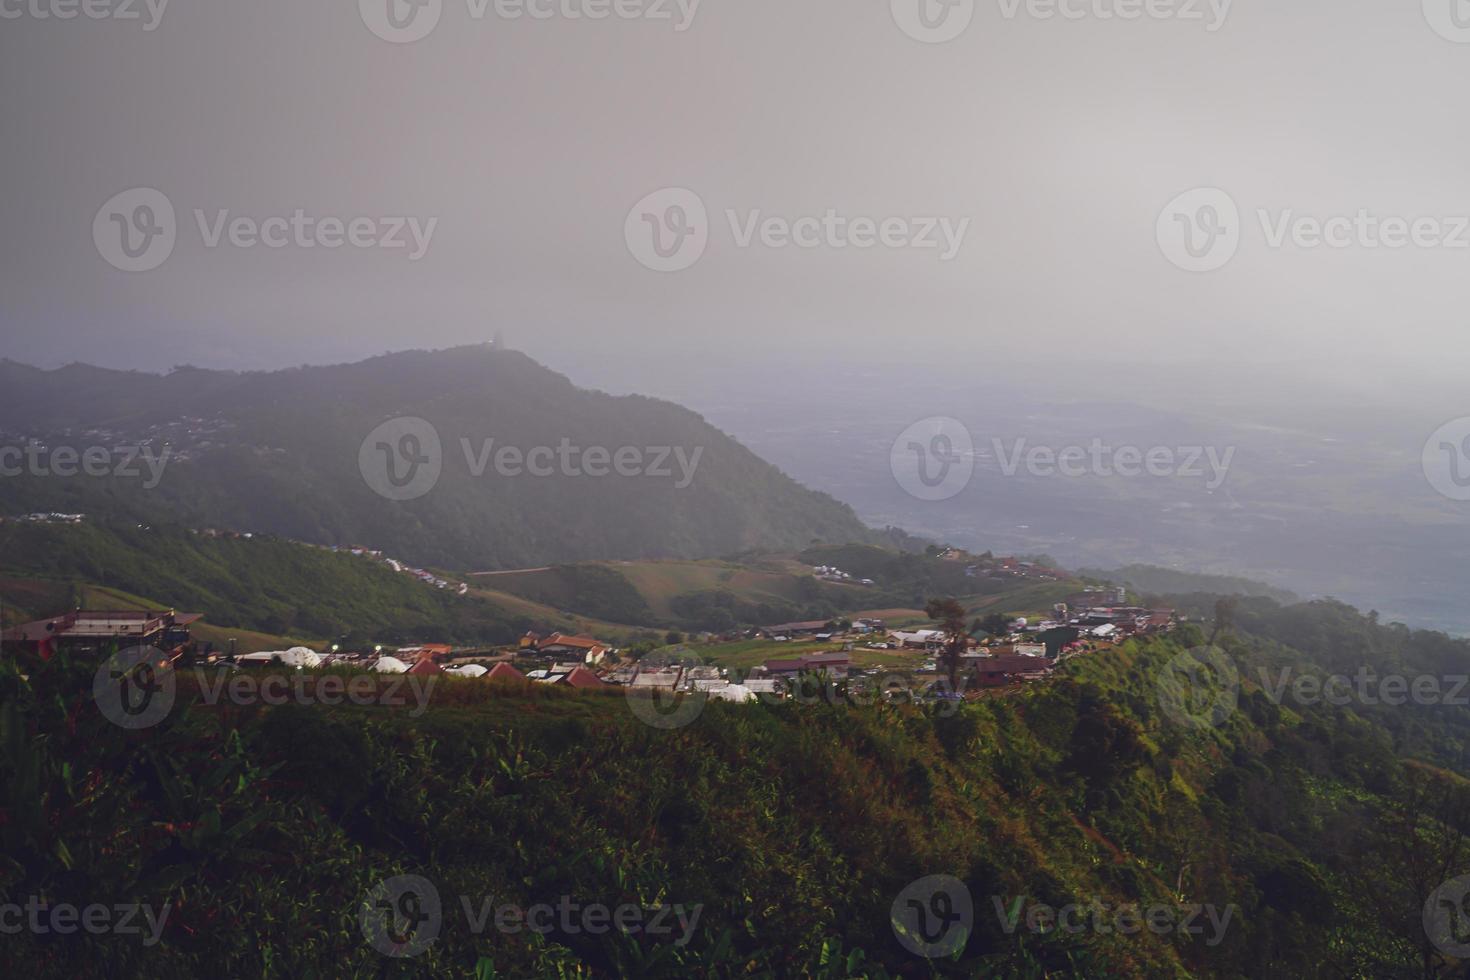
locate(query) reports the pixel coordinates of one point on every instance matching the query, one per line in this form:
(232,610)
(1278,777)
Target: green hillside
(284,452)
(271,586)
(1314,832)
(758,589)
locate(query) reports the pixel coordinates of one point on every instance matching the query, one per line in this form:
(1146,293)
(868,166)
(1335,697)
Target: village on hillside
(998,652)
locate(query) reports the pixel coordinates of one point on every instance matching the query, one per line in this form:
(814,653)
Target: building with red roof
(505,672)
(425,667)
(581,677)
(98,632)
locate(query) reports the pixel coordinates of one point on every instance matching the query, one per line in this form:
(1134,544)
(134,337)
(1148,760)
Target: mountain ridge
(283,452)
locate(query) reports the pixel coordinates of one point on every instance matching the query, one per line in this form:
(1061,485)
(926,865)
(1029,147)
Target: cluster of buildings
(566,646)
(1028,652)
(988,566)
(45,518)
(403,568)
(831,573)
(97,633)
(1105,614)
(1015,568)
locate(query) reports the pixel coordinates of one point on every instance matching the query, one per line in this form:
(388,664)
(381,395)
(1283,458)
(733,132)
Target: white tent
(390,665)
(294,657)
(468,670)
(738,693)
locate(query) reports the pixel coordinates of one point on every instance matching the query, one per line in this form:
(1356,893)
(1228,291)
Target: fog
(1055,144)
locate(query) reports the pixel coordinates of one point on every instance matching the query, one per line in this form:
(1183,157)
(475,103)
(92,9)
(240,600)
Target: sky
(982,183)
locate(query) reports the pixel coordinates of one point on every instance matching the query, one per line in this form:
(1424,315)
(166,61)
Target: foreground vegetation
(793,826)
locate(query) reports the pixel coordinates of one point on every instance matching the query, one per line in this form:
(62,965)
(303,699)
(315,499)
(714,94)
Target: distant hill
(1168,581)
(285,452)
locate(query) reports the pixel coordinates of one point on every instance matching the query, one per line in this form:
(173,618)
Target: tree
(950,616)
(996,624)
(1224,618)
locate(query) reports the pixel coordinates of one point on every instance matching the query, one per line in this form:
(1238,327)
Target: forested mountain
(299,453)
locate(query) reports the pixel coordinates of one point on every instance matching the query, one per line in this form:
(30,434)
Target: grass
(551,617)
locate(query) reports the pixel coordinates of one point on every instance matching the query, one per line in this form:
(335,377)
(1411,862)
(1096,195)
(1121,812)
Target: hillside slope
(276,587)
(1307,830)
(298,453)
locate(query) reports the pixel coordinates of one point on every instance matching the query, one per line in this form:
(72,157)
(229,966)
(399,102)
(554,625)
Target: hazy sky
(1060,141)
